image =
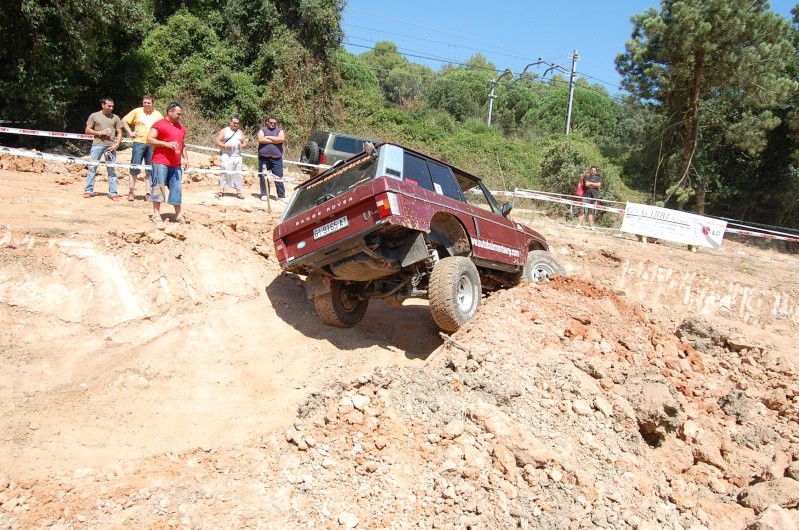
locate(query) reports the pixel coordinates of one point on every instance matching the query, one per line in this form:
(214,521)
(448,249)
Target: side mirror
(506,209)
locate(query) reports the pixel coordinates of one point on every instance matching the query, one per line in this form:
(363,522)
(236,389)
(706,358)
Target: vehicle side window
(348,145)
(477,196)
(444,182)
(415,170)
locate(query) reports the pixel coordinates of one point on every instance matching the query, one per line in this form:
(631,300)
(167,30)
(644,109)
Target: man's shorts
(166,177)
(141,152)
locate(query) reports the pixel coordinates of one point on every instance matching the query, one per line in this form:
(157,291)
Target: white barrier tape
(247,155)
(528,194)
(215,150)
(52,134)
(572,202)
(72,160)
(267,175)
(762,234)
(66,159)
(75,136)
(34,132)
(561,200)
(573,197)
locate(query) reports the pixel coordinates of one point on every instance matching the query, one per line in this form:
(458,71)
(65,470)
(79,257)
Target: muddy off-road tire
(454,292)
(541,266)
(338,307)
(310,153)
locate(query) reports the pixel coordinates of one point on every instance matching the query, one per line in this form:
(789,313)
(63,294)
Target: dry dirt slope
(151,379)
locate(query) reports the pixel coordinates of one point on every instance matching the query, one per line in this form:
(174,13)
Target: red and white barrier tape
(528,194)
(247,155)
(573,202)
(576,202)
(75,136)
(73,160)
(52,134)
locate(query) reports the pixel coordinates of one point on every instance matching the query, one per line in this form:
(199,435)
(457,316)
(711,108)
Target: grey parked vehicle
(325,147)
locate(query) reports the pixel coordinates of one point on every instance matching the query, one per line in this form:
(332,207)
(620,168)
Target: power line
(479,50)
(469,38)
(450,61)
(418,55)
(553,80)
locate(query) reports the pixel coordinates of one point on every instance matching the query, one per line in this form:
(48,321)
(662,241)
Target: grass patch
(48,232)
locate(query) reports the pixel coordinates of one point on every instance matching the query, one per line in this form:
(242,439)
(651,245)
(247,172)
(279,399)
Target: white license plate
(329,228)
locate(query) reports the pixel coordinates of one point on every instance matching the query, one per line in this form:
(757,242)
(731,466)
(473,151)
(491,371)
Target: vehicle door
(496,239)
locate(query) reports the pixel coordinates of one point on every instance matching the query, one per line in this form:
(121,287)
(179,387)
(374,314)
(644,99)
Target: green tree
(715,69)
(354,71)
(59,58)
(463,91)
(400,80)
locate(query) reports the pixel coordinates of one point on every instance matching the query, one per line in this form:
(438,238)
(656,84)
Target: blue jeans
(97,153)
(275,165)
(141,152)
(169,176)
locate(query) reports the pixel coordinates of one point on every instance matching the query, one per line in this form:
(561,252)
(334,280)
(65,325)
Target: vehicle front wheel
(541,266)
(454,292)
(340,307)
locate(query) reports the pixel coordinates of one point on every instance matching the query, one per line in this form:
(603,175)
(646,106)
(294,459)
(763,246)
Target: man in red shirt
(168,138)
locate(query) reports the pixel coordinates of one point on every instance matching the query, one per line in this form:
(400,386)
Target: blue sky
(511,34)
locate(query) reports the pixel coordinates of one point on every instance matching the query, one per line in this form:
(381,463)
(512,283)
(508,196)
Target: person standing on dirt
(168,138)
(230,140)
(270,156)
(106,127)
(592,183)
(141,119)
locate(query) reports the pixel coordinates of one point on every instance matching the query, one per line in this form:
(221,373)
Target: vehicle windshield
(332,184)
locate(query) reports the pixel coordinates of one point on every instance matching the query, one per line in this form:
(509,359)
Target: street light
(572,78)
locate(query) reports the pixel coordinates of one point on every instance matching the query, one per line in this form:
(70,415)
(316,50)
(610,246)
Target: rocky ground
(176,379)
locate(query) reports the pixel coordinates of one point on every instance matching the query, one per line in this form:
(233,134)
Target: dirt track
(150,377)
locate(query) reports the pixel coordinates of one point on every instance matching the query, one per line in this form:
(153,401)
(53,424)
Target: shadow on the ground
(409,328)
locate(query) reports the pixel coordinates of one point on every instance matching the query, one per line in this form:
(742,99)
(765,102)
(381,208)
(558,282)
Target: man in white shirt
(230,140)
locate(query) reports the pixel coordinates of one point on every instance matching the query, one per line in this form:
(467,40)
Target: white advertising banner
(673,225)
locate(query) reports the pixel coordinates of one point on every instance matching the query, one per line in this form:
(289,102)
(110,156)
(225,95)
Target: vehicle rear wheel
(541,266)
(310,153)
(454,292)
(340,307)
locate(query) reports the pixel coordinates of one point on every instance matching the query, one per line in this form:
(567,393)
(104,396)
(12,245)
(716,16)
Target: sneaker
(114,198)
(282,199)
(131,197)
(263,197)
(87,195)
(179,218)
(157,221)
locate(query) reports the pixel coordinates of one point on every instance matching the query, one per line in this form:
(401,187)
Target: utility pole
(491,96)
(572,79)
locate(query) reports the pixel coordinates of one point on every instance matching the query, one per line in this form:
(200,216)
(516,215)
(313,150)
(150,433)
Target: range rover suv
(392,223)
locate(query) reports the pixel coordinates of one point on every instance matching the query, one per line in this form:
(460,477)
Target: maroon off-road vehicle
(392,223)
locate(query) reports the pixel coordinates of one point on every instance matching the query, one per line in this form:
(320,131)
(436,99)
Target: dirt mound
(175,378)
